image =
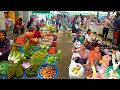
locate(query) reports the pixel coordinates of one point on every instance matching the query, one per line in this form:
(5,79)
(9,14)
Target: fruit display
(29,54)
(15,70)
(52,50)
(11,72)
(38,57)
(44,47)
(51,59)
(20,40)
(34,41)
(19,72)
(51,28)
(48,33)
(47,43)
(15,56)
(29,34)
(47,72)
(75,70)
(47,40)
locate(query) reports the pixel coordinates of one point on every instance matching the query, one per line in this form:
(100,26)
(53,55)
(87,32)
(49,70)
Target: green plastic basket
(108,69)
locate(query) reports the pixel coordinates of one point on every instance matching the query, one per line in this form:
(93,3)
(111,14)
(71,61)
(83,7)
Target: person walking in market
(4,45)
(64,23)
(107,26)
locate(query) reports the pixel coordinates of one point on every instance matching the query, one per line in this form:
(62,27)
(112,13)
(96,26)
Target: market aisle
(65,45)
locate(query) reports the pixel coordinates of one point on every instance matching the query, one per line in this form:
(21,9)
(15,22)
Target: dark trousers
(118,42)
(77,31)
(81,61)
(16,31)
(5,57)
(105,33)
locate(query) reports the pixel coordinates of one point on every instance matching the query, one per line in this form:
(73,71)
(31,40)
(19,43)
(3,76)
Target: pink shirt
(85,54)
(107,23)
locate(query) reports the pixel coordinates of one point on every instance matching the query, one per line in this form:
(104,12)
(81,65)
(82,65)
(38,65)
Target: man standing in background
(115,29)
(107,25)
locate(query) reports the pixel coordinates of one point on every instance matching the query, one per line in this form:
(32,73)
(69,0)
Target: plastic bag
(80,73)
(75,55)
(77,44)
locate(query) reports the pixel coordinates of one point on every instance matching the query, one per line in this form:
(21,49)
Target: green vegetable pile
(32,70)
(44,48)
(23,59)
(4,66)
(29,52)
(58,54)
(15,56)
(52,28)
(51,59)
(38,58)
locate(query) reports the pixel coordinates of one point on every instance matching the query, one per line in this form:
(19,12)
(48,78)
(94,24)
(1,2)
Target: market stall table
(33,48)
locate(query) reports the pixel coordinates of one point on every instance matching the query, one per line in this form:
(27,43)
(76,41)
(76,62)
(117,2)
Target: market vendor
(88,39)
(115,58)
(29,24)
(19,27)
(94,58)
(37,33)
(84,54)
(4,45)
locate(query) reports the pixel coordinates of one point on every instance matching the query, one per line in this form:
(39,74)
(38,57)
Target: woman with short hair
(4,45)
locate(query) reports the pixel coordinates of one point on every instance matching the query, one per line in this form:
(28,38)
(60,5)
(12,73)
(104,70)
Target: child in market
(37,33)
